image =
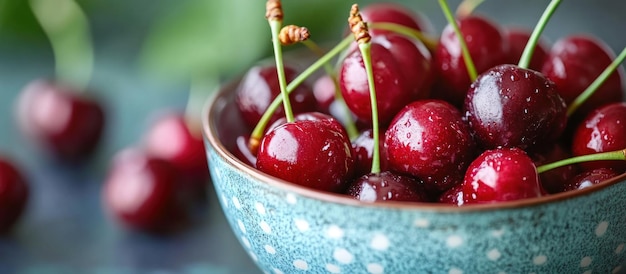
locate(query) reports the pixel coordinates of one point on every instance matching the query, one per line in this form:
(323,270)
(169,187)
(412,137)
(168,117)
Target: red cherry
(259,87)
(503,174)
(242,150)
(487,47)
(387,186)
(603,130)
(363,147)
(311,153)
(324,92)
(429,140)
(573,63)
(508,106)
(393,13)
(401,67)
(589,178)
(14,194)
(174,138)
(65,123)
(554,180)
(453,196)
(518,38)
(144,193)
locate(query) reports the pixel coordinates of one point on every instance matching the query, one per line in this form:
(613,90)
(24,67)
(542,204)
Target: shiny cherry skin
(428,139)
(63,122)
(589,178)
(242,150)
(401,67)
(553,180)
(259,87)
(178,139)
(453,196)
(363,147)
(310,153)
(518,38)
(387,186)
(498,175)
(143,193)
(14,194)
(573,63)
(508,106)
(393,13)
(487,46)
(324,92)
(603,130)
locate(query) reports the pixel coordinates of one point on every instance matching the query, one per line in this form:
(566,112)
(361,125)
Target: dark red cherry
(14,193)
(259,87)
(311,153)
(393,13)
(603,130)
(487,46)
(177,139)
(387,186)
(589,178)
(143,192)
(553,180)
(401,67)
(574,62)
(508,106)
(518,38)
(242,150)
(503,174)
(363,147)
(429,140)
(61,120)
(453,196)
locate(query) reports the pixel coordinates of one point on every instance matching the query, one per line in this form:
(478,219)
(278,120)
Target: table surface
(64,229)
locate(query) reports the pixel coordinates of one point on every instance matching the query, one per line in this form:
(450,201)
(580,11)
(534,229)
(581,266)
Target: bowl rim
(210,133)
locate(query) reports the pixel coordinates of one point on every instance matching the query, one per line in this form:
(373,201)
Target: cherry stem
(275,26)
(534,36)
(429,42)
(350,126)
(467,7)
(257,133)
(588,92)
(467,58)
(602,156)
(367,61)
(66,26)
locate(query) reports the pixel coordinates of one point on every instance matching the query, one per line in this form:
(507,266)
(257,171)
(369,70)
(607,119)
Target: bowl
(287,228)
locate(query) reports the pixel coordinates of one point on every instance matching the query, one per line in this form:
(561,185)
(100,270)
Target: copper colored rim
(209,130)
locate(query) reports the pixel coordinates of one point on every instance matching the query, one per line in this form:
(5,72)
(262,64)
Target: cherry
(429,140)
(14,194)
(553,180)
(176,139)
(260,86)
(573,63)
(387,186)
(312,153)
(363,147)
(589,178)
(402,67)
(508,106)
(502,174)
(517,39)
(602,130)
(243,152)
(65,123)
(393,13)
(145,193)
(453,196)
(487,46)
(324,92)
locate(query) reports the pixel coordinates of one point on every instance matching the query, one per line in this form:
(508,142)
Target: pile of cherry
(444,137)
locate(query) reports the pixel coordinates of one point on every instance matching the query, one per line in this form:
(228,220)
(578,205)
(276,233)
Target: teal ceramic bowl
(286,228)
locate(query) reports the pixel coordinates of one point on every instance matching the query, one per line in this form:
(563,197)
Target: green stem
(534,36)
(429,42)
(257,133)
(588,92)
(367,61)
(67,28)
(602,156)
(350,125)
(275,26)
(467,58)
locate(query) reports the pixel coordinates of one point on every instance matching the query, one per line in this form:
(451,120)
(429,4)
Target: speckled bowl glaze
(286,228)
